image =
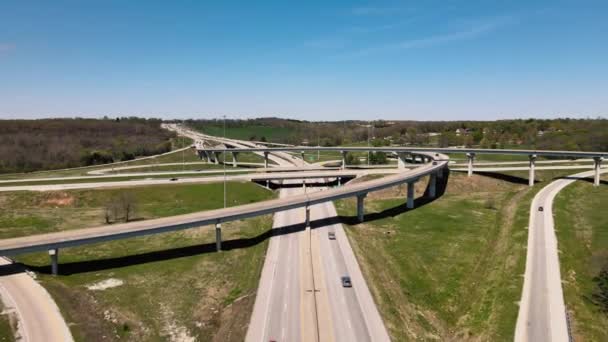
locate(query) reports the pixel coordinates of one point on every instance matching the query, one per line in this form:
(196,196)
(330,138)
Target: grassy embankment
(450,269)
(6,329)
(582,232)
(173,285)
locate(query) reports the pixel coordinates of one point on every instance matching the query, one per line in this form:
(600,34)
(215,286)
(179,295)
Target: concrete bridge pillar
(471,157)
(307,219)
(234,154)
(400,161)
(218,236)
(532,164)
(360,209)
(54,254)
(343,160)
(410,157)
(410,194)
(202,154)
(339,181)
(266,160)
(596,167)
(440,172)
(216,158)
(432,185)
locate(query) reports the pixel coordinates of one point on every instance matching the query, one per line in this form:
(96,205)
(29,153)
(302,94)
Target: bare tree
(127,204)
(122,206)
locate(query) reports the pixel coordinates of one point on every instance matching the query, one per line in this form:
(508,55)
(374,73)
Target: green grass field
(245,133)
(451,269)
(582,231)
(175,285)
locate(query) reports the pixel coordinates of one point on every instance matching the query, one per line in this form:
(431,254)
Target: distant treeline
(567,134)
(32,145)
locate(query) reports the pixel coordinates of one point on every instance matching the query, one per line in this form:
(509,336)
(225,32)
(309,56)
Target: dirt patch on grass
(234,320)
(57,199)
(460,183)
(95,322)
(105,284)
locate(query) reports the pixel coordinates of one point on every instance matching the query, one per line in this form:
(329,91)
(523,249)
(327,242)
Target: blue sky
(315,60)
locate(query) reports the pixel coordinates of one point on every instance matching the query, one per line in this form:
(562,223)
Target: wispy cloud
(371,10)
(464,34)
(326,43)
(371,29)
(6,47)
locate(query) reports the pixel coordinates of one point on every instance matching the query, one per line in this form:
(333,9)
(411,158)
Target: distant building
(462,131)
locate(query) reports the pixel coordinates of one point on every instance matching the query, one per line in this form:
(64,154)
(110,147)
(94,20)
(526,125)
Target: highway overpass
(52,242)
(422,152)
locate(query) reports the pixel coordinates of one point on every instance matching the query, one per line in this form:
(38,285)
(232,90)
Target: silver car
(346,281)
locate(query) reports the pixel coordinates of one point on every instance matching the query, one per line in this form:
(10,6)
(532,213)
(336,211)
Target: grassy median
(171,286)
(582,232)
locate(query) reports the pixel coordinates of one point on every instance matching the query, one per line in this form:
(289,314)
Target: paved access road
(255,176)
(39,318)
(542,312)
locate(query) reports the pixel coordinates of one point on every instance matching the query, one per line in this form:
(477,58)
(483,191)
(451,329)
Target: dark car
(346,282)
(173,179)
(540,209)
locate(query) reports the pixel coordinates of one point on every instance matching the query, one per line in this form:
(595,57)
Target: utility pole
(318,145)
(225,146)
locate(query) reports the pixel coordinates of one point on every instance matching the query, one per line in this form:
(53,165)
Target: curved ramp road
(542,313)
(38,316)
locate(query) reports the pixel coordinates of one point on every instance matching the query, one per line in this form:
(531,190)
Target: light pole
(368,129)
(225,161)
(318,145)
